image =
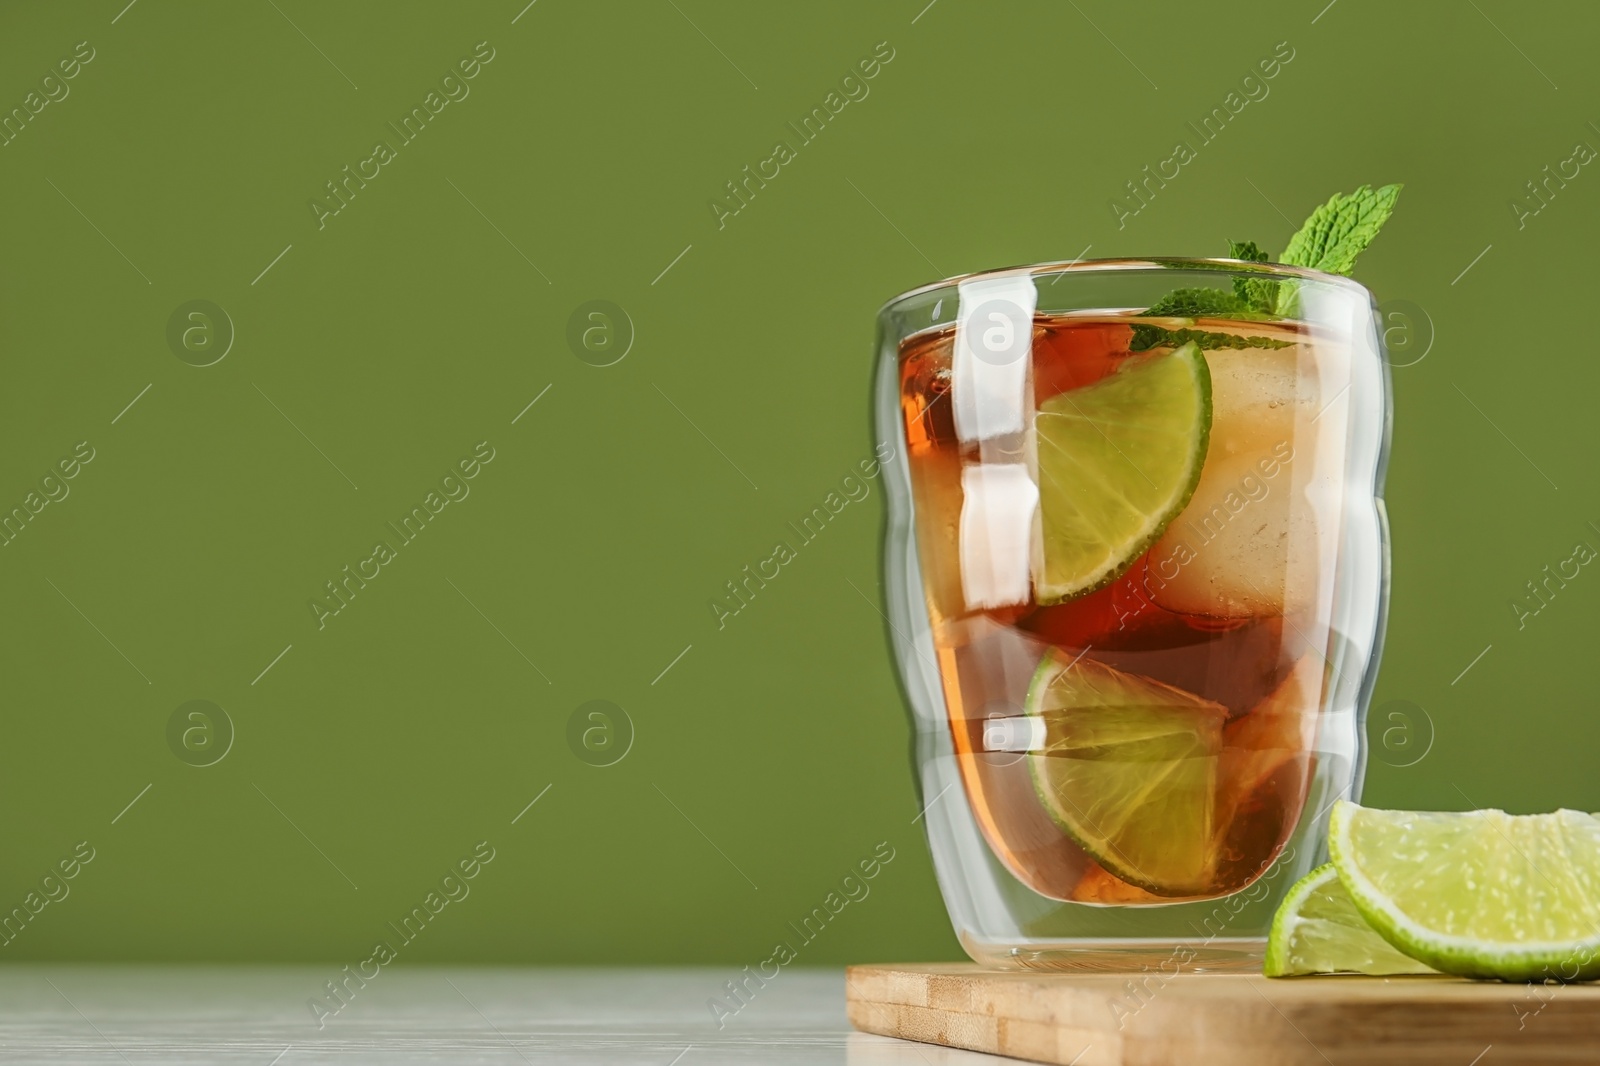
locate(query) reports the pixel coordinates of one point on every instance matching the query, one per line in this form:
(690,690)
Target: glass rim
(1145,263)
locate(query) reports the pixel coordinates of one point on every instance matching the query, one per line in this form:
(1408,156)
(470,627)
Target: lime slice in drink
(1128,769)
(1118,460)
(1479,894)
(1318,930)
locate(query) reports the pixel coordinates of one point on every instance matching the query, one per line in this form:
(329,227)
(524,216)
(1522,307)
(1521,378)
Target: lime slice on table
(1128,769)
(1118,460)
(1318,930)
(1479,894)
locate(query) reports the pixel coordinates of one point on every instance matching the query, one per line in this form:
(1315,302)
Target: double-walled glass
(1132,772)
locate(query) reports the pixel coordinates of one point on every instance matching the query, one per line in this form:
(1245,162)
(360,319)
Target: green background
(772,755)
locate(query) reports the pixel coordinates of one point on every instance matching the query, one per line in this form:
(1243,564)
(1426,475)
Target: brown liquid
(1239,656)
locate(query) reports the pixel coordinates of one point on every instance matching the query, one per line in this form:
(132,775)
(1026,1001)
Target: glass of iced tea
(1137,569)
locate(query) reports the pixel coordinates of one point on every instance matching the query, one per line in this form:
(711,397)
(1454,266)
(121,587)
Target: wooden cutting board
(1149,1019)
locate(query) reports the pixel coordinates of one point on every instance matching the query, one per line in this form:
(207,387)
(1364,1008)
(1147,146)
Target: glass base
(1104,956)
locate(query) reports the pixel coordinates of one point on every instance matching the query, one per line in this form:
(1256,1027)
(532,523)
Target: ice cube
(1228,554)
(1257,395)
(1238,549)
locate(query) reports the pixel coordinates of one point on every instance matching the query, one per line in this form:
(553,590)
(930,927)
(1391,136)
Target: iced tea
(1150,736)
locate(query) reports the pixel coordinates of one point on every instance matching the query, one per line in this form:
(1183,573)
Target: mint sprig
(1330,240)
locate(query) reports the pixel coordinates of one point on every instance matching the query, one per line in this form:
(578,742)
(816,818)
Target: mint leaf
(1247,251)
(1334,235)
(1341,229)
(1196,303)
(1259,294)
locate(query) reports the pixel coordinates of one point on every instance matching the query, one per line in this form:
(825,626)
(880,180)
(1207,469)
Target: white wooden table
(258,1015)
